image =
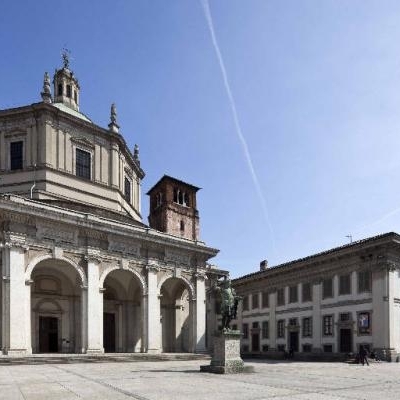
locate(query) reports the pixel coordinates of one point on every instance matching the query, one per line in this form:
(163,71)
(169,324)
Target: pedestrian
(363,355)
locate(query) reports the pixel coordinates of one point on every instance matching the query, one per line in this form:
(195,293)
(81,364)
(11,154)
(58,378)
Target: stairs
(37,359)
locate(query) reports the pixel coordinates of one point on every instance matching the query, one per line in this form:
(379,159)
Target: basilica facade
(81,272)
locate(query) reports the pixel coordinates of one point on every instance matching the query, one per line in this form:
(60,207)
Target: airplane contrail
(379,220)
(207,14)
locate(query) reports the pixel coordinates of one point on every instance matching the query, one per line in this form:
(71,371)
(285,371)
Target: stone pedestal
(226,358)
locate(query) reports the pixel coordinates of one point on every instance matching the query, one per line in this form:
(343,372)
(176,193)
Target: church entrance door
(48,335)
(109,332)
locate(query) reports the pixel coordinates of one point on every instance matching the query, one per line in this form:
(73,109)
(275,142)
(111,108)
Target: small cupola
(66,86)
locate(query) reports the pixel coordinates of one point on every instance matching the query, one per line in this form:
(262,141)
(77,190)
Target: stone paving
(181,380)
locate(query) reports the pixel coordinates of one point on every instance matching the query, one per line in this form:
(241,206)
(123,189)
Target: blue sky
(316,86)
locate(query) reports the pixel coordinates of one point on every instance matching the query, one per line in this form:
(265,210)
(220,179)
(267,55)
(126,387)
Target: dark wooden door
(255,342)
(109,332)
(294,341)
(345,341)
(48,335)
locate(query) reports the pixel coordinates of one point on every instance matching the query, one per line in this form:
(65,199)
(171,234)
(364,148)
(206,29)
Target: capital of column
(14,244)
(93,256)
(152,267)
(28,282)
(389,266)
(201,276)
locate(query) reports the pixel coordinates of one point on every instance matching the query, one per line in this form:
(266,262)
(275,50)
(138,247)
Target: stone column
(200,331)
(384,289)
(316,317)
(28,315)
(94,307)
(144,324)
(14,324)
(272,321)
(153,311)
(84,318)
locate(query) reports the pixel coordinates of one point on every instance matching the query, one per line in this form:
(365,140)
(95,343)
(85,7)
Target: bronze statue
(229,303)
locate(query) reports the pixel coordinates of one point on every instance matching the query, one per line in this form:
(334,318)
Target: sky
(287,114)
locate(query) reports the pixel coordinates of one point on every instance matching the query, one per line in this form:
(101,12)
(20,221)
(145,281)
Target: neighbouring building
(81,272)
(331,302)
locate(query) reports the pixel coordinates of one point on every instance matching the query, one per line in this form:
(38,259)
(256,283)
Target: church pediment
(81,141)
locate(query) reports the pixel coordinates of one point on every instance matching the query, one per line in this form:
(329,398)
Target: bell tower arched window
(60,89)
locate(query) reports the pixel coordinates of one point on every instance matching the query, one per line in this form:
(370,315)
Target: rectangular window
(245,303)
(293,294)
(345,317)
(254,301)
(280,297)
(364,323)
(281,328)
(265,330)
(293,321)
(16,155)
(364,281)
(265,299)
(306,292)
(68,90)
(327,288)
(345,284)
(307,327)
(281,347)
(265,348)
(255,325)
(328,325)
(128,189)
(83,163)
(245,329)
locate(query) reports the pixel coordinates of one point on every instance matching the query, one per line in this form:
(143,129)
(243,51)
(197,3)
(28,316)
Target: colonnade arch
(176,312)
(123,311)
(54,305)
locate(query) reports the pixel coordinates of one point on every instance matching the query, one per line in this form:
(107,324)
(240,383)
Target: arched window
(68,90)
(75,96)
(60,89)
(176,195)
(182,226)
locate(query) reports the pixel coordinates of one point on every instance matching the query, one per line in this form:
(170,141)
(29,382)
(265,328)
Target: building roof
(350,246)
(72,112)
(174,180)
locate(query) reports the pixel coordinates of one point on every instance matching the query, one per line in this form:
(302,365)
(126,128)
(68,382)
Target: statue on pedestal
(229,303)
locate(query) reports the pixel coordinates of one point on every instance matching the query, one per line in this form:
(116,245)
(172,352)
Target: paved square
(181,380)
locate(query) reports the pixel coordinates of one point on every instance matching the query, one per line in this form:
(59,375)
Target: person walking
(363,355)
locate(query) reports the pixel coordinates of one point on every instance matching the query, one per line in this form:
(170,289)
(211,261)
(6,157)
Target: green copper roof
(70,111)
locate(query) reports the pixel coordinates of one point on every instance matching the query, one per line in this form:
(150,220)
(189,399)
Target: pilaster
(316,317)
(94,305)
(200,331)
(153,311)
(14,292)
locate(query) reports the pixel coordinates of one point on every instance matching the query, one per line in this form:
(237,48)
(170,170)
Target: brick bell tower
(173,208)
